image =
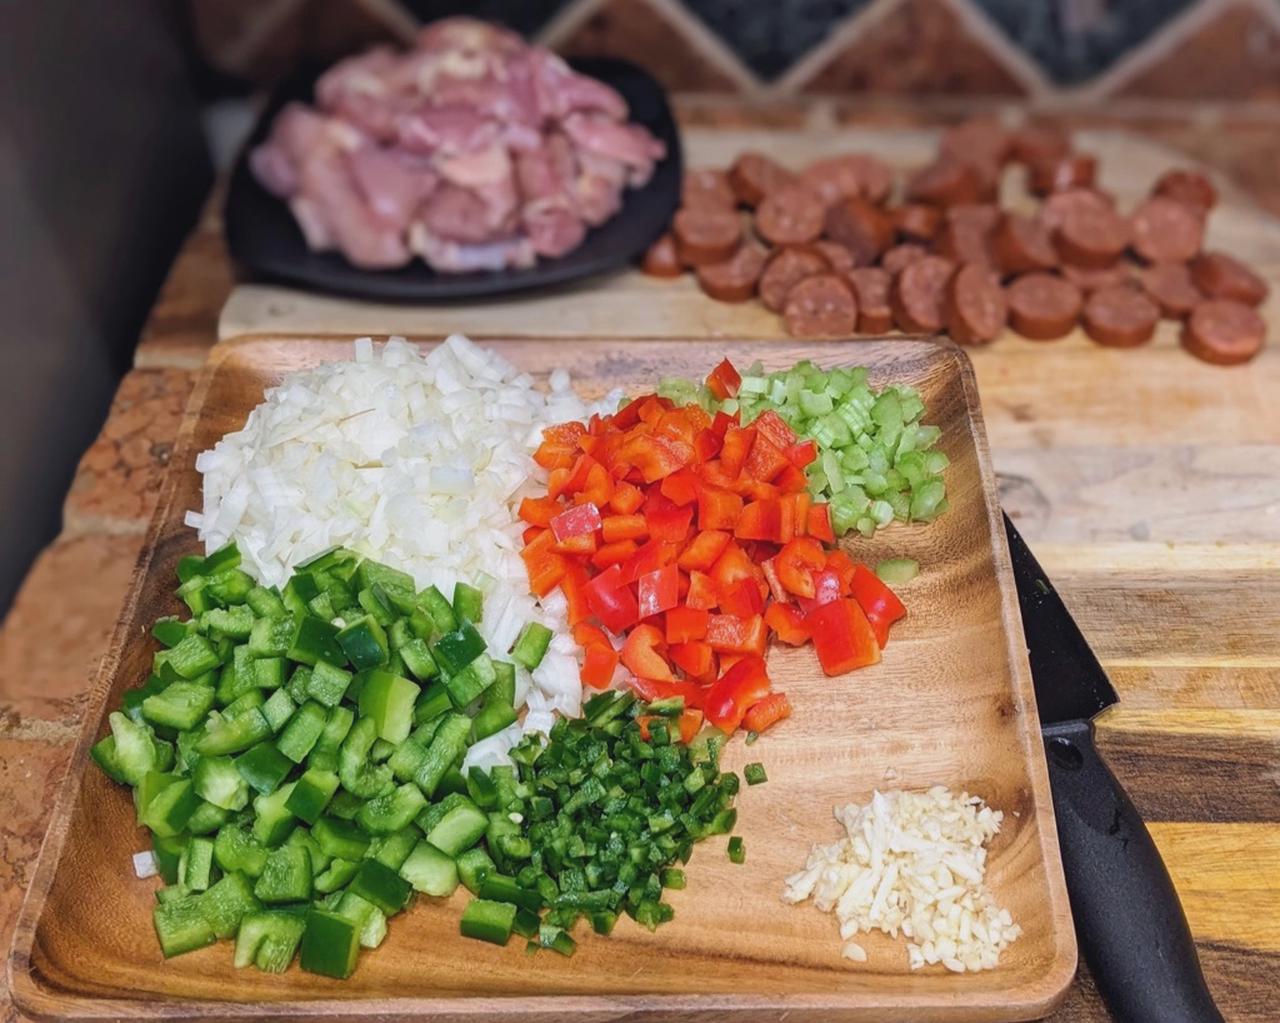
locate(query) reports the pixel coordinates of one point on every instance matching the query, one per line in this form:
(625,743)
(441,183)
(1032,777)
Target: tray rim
(1031,1000)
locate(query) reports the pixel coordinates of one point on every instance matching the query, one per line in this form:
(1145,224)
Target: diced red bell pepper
(545,567)
(842,637)
(585,634)
(773,708)
(598,487)
(579,546)
(656,456)
(667,520)
(802,454)
(776,589)
(688,724)
(798,508)
(796,563)
(599,662)
(724,381)
(703,592)
(627,498)
(787,624)
(879,603)
(733,635)
(624,527)
(681,487)
(627,416)
(556,482)
(735,692)
(845,567)
(706,445)
(791,480)
(642,654)
(648,558)
(765,461)
(820,523)
(695,658)
(703,550)
(721,423)
(612,601)
(613,553)
(733,564)
(738,441)
(658,590)
(574,587)
(686,624)
(531,534)
(761,520)
(539,511)
(577,478)
(718,509)
(649,690)
(742,598)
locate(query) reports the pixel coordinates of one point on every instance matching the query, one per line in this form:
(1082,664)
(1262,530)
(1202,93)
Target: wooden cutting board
(950,703)
(629,304)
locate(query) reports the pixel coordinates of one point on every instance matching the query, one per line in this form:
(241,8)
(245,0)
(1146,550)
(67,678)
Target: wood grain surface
(951,703)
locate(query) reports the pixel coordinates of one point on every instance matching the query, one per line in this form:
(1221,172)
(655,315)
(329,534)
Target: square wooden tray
(950,703)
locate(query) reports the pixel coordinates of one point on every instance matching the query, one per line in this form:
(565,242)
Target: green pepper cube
(473,865)
(270,637)
(531,645)
(417,658)
(335,876)
(430,871)
(170,805)
(274,821)
(488,921)
(134,749)
(328,683)
(382,886)
(299,592)
(195,865)
(389,699)
(181,927)
(737,851)
(218,782)
(365,643)
(237,851)
(263,767)
(754,774)
(227,734)
(455,650)
(460,827)
(315,639)
(468,602)
(438,610)
(269,940)
(193,656)
(225,904)
(180,705)
(311,794)
(278,709)
(330,944)
(388,813)
(303,731)
(340,839)
(286,877)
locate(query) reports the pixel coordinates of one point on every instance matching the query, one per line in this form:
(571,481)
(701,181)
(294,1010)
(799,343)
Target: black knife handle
(1127,914)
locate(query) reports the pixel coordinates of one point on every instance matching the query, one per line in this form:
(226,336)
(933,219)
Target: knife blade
(1129,922)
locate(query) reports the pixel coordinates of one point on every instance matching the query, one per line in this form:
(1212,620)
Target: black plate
(266,241)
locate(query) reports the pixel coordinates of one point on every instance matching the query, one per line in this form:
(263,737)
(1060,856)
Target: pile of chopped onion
(413,460)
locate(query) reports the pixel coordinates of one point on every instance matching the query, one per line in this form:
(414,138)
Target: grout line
(1020,64)
(559,28)
(702,38)
(838,39)
(1152,50)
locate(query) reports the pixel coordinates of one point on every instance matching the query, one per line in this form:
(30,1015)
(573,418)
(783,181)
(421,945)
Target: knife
(1128,918)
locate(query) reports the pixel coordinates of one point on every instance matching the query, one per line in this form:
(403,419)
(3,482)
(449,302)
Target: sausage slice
(917,221)
(1221,276)
(917,294)
(1057,207)
(1071,170)
(837,256)
(706,234)
(1170,285)
(1021,244)
(975,308)
(1043,306)
(1223,332)
(1034,144)
(871,288)
(754,175)
(861,227)
(790,216)
(1120,316)
(1166,231)
(820,305)
(852,174)
(786,269)
(1187,187)
(966,235)
(945,182)
(660,260)
(707,186)
(898,258)
(1090,278)
(1092,235)
(735,279)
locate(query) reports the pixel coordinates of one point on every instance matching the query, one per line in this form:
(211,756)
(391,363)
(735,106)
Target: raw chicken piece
(472,150)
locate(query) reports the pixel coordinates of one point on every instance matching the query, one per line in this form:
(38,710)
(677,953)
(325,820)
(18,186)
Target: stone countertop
(1199,741)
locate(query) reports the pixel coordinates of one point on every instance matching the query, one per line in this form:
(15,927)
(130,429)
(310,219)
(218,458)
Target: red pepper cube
(735,692)
(842,637)
(580,520)
(771,425)
(686,624)
(718,509)
(724,381)
(598,665)
(612,601)
(658,590)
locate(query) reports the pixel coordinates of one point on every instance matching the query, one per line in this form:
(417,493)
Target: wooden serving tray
(951,703)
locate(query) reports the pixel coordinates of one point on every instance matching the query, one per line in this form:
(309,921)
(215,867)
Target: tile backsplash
(1044,50)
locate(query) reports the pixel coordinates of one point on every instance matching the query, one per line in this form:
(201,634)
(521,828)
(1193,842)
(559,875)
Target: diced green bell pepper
(340,839)
(382,886)
(315,640)
(181,927)
(226,903)
(430,871)
(218,782)
(388,699)
(180,705)
(286,876)
(304,730)
(488,921)
(330,944)
(391,811)
(365,643)
(269,940)
(263,767)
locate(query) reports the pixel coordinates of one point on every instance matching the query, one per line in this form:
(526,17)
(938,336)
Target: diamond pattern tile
(525,16)
(769,36)
(1074,40)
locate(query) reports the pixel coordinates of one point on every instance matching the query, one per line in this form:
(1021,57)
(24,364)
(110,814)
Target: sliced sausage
(853,174)
(837,256)
(736,278)
(974,308)
(984,138)
(1043,306)
(790,216)
(898,258)
(1092,236)
(871,289)
(1056,208)
(1071,170)
(1166,231)
(1120,316)
(945,182)
(1021,244)
(1187,187)
(1221,276)
(1034,144)
(1223,332)
(706,234)
(1090,278)
(861,227)
(660,260)
(707,186)
(917,294)
(966,235)
(754,175)
(787,268)
(821,305)
(917,221)
(1170,285)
